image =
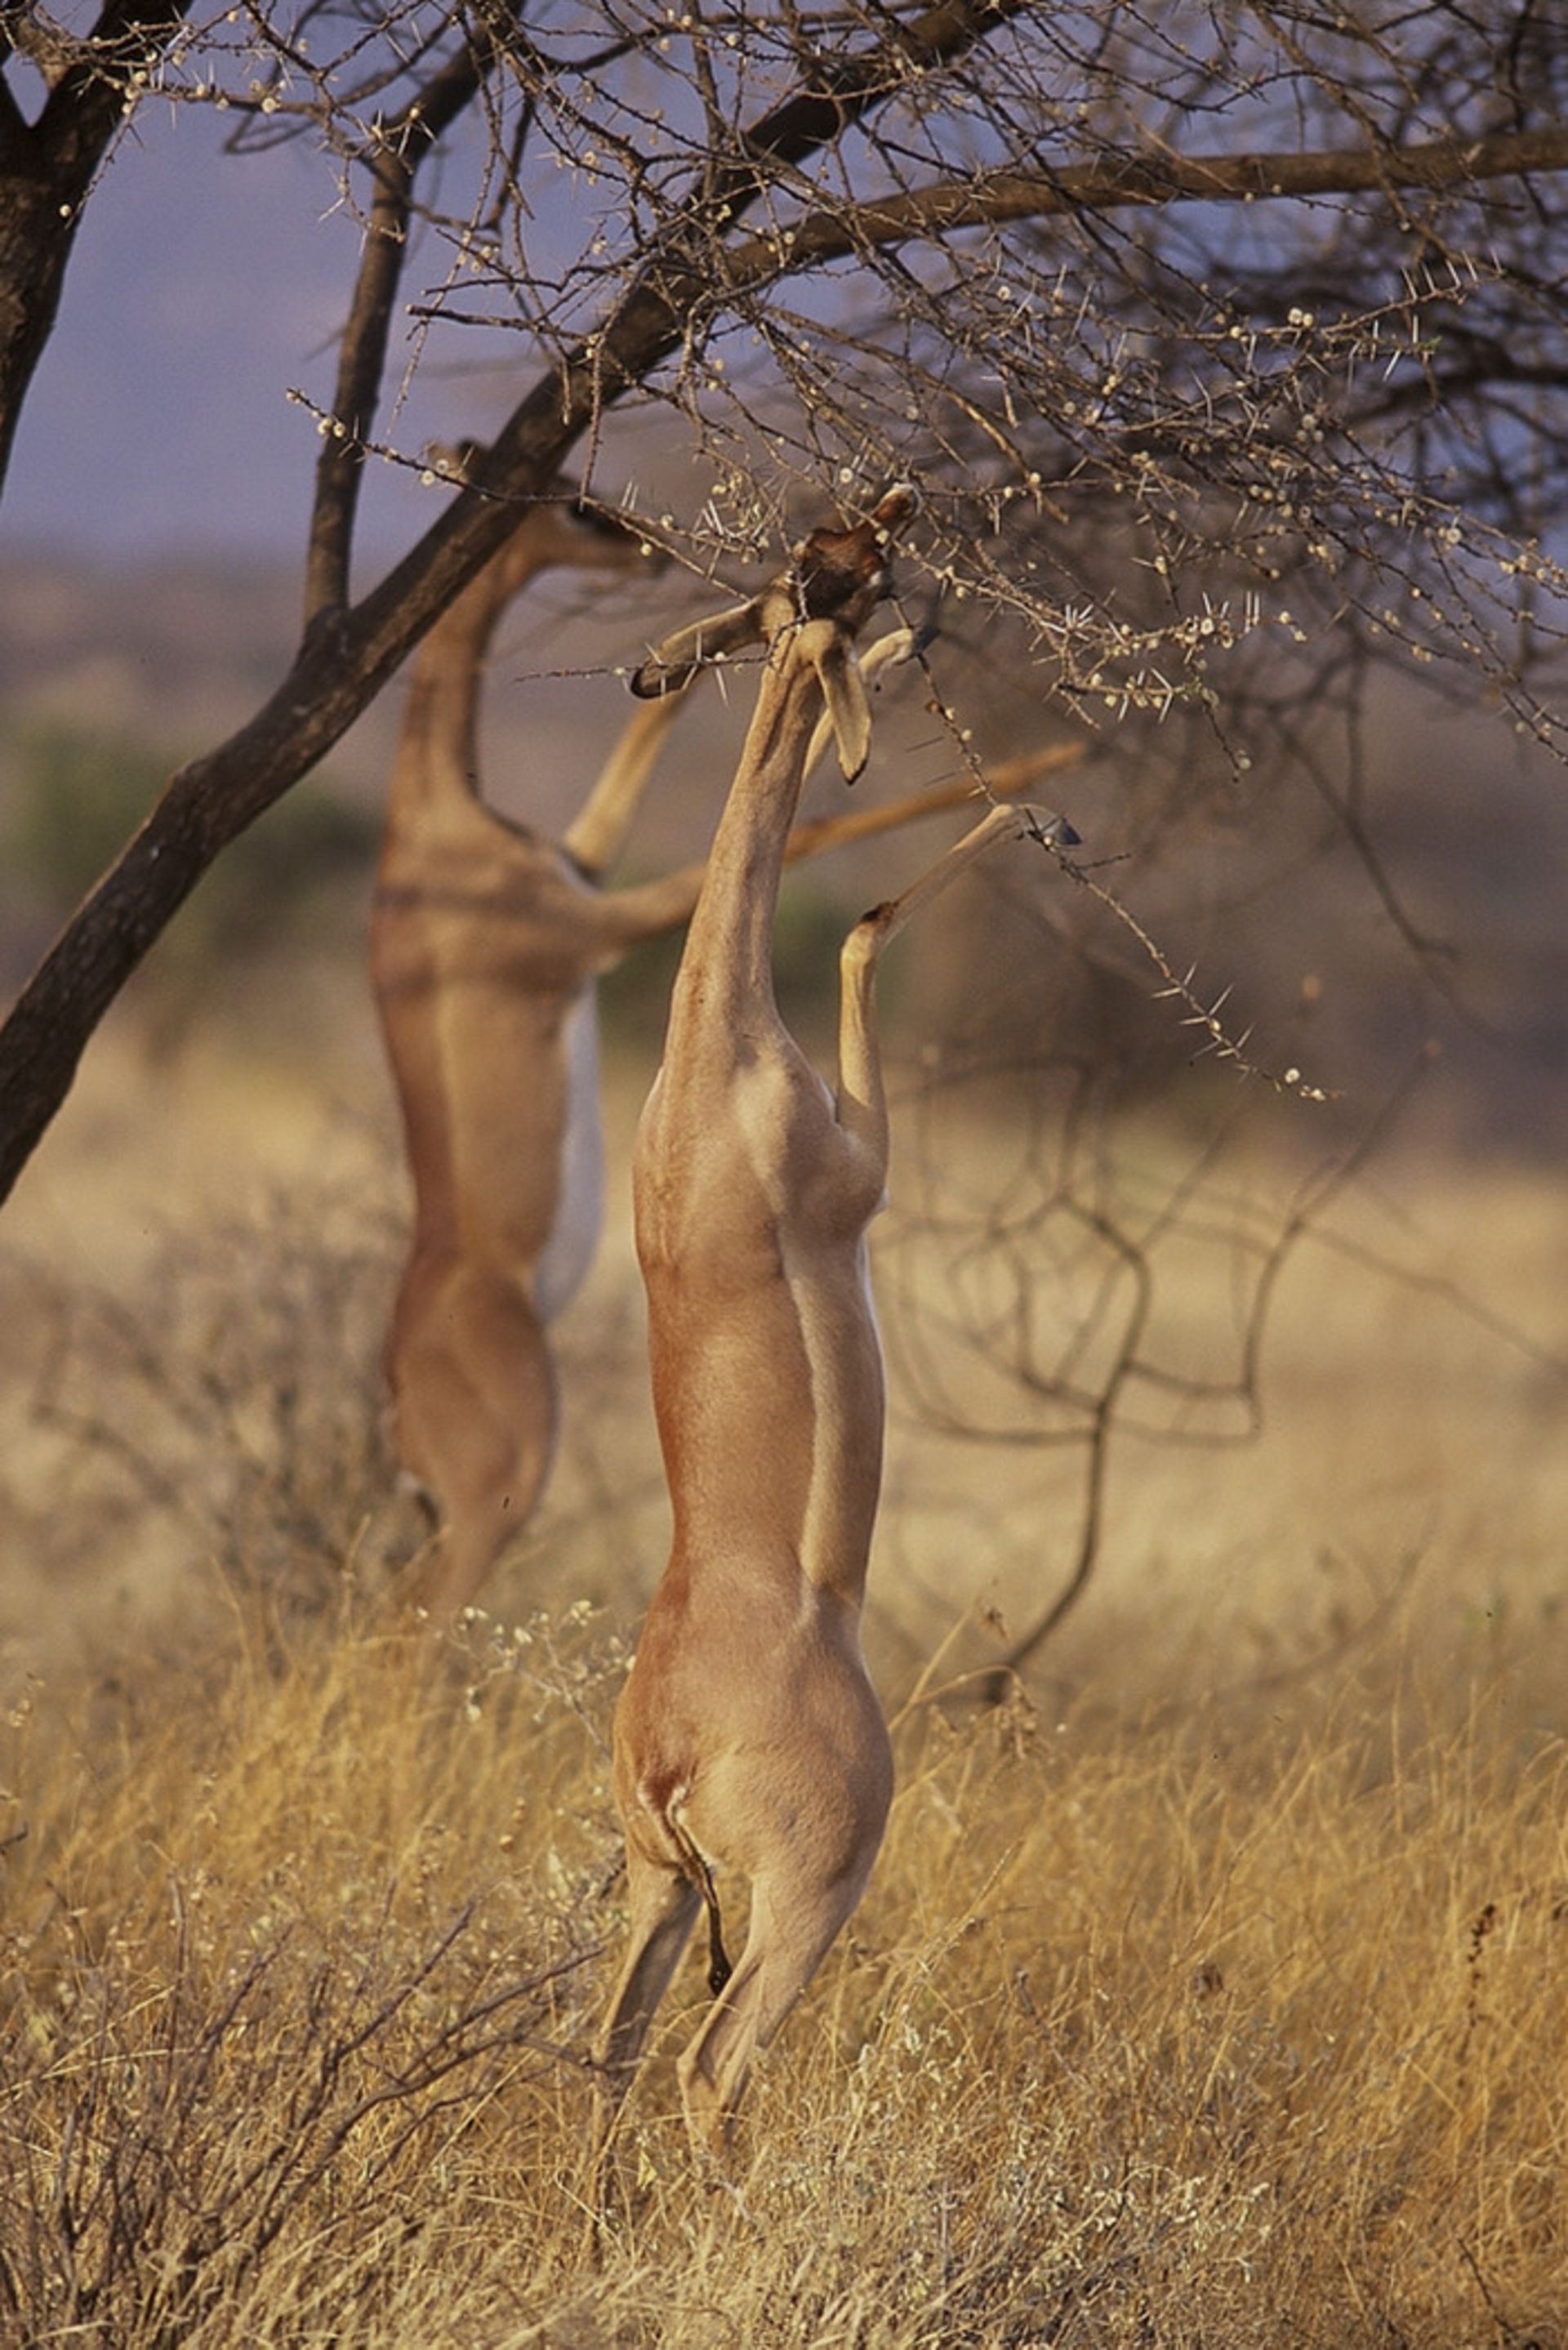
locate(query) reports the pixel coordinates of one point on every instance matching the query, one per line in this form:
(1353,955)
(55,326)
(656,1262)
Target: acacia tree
(1162,306)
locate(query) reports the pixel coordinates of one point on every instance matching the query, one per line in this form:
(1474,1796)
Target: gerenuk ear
(889,653)
(676,661)
(848,711)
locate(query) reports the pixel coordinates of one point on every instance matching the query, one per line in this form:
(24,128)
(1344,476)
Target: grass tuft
(1225,2033)
(1210,1992)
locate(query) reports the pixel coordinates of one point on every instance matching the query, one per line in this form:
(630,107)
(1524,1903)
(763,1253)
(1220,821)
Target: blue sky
(203,286)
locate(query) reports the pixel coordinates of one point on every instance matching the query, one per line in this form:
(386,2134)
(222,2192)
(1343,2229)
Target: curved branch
(1131,1258)
(404,144)
(48,166)
(993,199)
(841,89)
(349,655)
(350,652)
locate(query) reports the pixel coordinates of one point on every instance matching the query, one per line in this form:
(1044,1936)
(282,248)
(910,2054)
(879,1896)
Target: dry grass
(1218,1997)
(1246,2028)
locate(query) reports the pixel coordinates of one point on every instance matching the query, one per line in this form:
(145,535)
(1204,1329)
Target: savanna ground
(1212,1986)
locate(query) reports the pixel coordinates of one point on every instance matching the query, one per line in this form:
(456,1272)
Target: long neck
(438,749)
(731,935)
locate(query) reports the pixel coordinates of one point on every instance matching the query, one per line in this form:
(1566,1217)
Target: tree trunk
(46,170)
(346,659)
(348,655)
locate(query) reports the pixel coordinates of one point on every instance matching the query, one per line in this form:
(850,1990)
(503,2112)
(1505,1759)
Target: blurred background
(1147,1318)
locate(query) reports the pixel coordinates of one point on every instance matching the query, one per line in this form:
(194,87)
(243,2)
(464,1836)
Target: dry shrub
(1221,2004)
(222,1414)
(1237,2027)
(286,1978)
(212,1433)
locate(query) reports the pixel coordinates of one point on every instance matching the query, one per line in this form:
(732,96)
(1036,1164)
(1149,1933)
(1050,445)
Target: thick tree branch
(990,199)
(46,168)
(840,89)
(350,652)
(348,658)
(405,143)
(13,129)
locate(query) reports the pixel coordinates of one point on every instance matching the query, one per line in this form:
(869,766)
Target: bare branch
(992,198)
(47,168)
(347,660)
(1250,428)
(393,162)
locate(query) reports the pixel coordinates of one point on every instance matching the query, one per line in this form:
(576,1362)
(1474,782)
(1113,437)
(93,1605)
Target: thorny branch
(993,199)
(1023,1303)
(399,147)
(1168,318)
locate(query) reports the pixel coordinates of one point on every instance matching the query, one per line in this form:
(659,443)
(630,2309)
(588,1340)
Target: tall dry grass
(1239,2027)
(1213,1991)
